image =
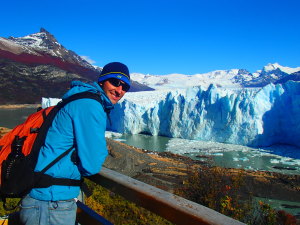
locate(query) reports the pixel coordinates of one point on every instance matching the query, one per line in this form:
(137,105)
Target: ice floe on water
(110,134)
(114,135)
(220,154)
(237,156)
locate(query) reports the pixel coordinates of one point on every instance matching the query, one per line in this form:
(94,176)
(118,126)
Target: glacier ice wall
(253,117)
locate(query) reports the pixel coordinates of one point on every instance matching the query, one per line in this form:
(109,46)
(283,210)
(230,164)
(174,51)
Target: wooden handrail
(169,206)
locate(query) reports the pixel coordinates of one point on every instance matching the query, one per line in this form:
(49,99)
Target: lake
(283,159)
(10,117)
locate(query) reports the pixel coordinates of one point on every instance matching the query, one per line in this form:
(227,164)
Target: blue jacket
(82,122)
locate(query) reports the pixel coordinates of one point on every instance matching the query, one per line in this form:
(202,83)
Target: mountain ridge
(233,78)
(43,48)
(37,66)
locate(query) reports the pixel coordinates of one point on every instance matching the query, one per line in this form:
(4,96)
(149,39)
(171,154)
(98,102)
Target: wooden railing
(169,206)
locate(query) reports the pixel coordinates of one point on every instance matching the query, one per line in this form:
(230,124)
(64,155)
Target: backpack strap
(81,95)
(47,181)
(42,179)
(40,139)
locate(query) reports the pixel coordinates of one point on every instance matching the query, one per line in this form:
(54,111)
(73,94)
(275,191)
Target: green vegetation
(213,188)
(111,206)
(11,203)
(118,210)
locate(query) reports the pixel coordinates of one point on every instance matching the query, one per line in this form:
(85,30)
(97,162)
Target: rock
(164,170)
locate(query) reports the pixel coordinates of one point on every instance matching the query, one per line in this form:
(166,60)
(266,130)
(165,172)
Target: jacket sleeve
(89,123)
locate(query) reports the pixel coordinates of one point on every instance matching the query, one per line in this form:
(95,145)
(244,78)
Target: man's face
(114,93)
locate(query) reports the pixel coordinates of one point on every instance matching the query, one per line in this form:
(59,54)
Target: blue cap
(115,70)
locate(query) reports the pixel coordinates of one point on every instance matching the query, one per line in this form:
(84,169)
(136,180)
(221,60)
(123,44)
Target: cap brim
(115,75)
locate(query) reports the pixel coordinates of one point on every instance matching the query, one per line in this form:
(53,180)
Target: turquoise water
(11,117)
(220,154)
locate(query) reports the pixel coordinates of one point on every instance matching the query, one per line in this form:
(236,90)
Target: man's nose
(119,89)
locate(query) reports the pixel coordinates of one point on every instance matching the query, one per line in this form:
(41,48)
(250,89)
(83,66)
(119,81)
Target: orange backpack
(22,135)
(19,150)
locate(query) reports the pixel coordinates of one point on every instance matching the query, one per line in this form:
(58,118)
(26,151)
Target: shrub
(118,210)
(11,203)
(213,188)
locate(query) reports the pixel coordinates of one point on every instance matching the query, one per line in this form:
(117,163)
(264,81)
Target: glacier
(254,117)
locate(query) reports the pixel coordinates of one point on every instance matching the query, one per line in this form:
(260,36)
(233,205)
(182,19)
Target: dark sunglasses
(116,82)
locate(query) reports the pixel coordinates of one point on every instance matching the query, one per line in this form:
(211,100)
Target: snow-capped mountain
(45,43)
(38,65)
(272,73)
(179,81)
(273,67)
(233,78)
(43,48)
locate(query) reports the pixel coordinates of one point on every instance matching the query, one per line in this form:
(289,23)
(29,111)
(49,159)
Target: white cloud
(88,59)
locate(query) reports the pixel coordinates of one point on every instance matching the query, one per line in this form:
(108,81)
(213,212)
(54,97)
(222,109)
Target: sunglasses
(116,82)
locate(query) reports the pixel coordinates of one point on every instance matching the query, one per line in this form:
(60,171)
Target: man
(79,125)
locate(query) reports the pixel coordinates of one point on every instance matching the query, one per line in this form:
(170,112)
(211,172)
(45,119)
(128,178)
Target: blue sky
(166,36)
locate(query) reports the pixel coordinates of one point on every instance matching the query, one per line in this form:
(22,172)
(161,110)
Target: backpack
(19,151)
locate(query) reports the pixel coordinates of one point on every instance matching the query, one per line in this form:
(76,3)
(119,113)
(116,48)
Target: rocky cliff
(37,66)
